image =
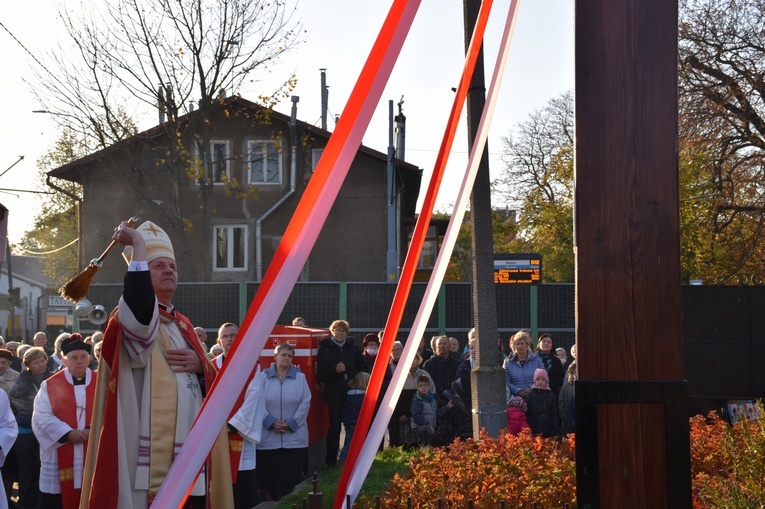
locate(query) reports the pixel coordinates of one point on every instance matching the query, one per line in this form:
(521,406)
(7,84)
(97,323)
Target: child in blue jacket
(357,389)
(425,411)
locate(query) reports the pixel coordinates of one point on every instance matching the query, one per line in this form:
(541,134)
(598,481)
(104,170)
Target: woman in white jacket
(282,454)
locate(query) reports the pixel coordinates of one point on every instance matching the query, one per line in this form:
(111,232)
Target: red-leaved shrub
(727,469)
(520,469)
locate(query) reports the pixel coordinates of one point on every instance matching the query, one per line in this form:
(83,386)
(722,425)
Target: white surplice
(8,432)
(248,420)
(49,429)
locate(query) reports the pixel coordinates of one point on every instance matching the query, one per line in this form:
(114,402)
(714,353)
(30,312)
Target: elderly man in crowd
(61,423)
(443,367)
(56,361)
(153,372)
(202,335)
(226,335)
(97,337)
(41,339)
(242,451)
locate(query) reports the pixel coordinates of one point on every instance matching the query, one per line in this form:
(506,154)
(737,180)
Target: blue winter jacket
(519,376)
(288,400)
(352,406)
(425,410)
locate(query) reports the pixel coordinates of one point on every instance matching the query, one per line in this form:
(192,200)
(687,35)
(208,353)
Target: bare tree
(537,180)
(538,154)
(722,152)
(722,135)
(129,60)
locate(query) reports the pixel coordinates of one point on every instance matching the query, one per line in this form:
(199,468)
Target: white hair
(60,339)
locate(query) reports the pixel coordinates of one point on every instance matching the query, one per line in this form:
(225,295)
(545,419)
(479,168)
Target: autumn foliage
(727,468)
(519,469)
(728,462)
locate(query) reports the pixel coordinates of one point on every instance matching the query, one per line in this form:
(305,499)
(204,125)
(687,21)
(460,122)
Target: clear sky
(340,34)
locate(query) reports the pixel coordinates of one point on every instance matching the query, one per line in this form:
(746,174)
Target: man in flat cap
(153,373)
(61,423)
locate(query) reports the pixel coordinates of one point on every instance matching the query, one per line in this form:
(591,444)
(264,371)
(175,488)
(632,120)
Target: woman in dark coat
(338,361)
(566,408)
(546,352)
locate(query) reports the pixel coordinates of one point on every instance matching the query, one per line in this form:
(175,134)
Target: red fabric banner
(413,254)
(292,253)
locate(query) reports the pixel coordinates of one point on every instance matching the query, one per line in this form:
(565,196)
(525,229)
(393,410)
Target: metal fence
(366,306)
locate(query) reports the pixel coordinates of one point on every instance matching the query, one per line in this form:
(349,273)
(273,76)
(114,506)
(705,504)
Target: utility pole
(488,377)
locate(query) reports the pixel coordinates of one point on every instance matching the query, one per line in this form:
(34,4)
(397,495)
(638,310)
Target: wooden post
(632,422)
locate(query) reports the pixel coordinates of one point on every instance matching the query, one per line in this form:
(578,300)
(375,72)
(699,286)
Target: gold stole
(164,402)
(164,397)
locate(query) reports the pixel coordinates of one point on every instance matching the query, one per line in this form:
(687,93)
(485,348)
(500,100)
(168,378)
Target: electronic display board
(518,269)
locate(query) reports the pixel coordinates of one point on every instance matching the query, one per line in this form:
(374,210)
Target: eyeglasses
(340,330)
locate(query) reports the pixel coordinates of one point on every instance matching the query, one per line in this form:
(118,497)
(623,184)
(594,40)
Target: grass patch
(386,464)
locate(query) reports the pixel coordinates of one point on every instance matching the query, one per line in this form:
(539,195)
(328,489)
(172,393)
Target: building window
(156,160)
(230,247)
(315,156)
(220,155)
(265,162)
(429,250)
(428,256)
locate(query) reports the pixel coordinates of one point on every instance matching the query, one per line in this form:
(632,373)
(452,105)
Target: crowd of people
(435,405)
(34,395)
(270,419)
(98,421)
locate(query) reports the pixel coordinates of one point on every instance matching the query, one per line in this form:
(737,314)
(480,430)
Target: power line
(25,49)
(9,191)
(26,251)
(11,166)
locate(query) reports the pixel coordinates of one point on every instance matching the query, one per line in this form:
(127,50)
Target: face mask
(372,351)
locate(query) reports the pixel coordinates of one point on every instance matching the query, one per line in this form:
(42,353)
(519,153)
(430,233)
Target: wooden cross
(632,421)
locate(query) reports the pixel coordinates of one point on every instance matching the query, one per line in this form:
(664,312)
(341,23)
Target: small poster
(742,409)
